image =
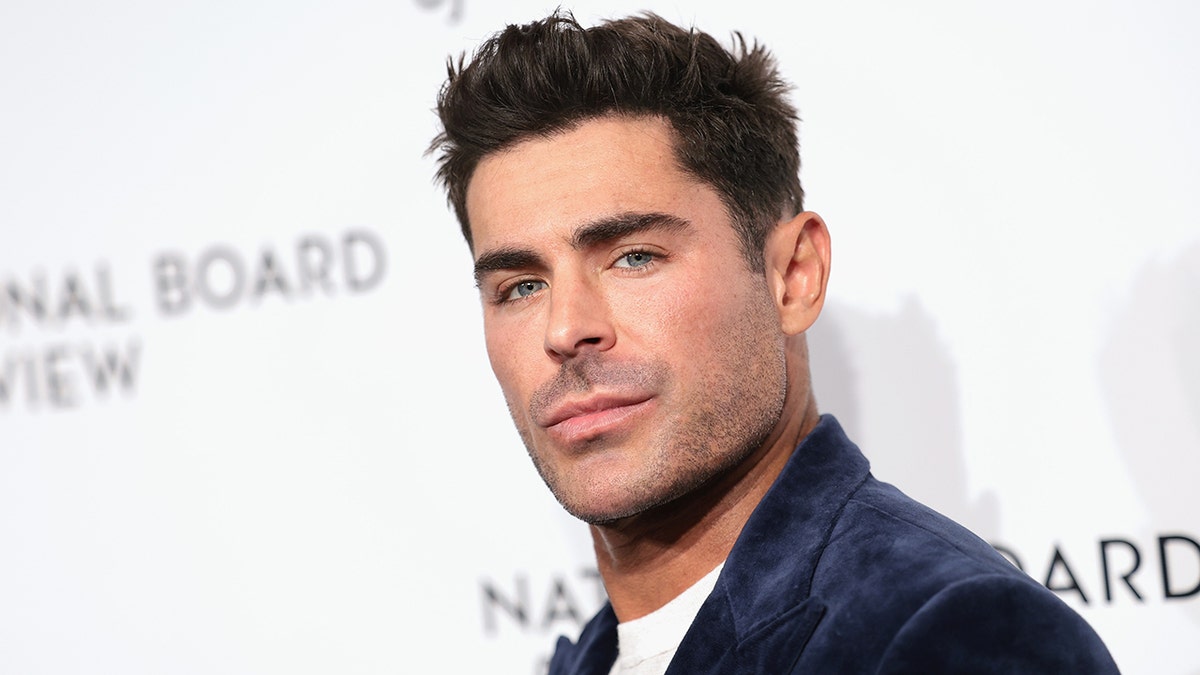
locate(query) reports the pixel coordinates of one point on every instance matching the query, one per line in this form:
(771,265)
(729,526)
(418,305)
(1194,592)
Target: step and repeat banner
(247,424)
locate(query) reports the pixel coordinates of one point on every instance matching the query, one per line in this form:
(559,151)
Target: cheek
(728,325)
(659,310)
(511,348)
(693,311)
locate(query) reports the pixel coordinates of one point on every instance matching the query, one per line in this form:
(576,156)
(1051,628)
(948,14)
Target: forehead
(602,167)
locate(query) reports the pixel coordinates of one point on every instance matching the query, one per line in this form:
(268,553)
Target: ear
(797,260)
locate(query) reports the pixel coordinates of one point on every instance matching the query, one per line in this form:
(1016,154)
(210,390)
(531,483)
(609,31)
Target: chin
(592,505)
(594,514)
(617,500)
(612,480)
(599,504)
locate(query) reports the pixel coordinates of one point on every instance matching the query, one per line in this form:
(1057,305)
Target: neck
(648,559)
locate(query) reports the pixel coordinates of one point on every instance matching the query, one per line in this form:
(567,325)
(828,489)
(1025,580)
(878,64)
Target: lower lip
(588,426)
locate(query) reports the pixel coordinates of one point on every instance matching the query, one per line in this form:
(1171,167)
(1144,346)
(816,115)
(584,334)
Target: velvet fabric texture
(836,572)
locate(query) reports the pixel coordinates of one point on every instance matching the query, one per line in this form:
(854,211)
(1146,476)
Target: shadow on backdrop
(1150,378)
(891,382)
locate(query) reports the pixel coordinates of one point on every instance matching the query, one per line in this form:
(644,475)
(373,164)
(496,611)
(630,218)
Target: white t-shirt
(645,646)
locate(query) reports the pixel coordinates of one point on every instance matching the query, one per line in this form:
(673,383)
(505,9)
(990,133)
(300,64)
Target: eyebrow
(623,225)
(587,235)
(505,258)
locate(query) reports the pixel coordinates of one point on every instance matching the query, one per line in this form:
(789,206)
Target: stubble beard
(707,432)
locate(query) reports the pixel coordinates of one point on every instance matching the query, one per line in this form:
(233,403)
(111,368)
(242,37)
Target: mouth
(585,419)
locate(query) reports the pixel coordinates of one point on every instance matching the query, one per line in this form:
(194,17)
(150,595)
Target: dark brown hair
(734,127)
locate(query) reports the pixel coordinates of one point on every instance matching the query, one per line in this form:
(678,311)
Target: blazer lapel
(595,652)
(761,615)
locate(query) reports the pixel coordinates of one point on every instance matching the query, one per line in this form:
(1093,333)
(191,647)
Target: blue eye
(635,259)
(524,289)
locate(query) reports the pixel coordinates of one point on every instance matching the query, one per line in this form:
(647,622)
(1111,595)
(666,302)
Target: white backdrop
(247,423)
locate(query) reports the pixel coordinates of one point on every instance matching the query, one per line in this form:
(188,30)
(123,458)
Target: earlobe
(798,258)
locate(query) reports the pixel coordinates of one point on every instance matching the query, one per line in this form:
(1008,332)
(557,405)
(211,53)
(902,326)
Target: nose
(579,320)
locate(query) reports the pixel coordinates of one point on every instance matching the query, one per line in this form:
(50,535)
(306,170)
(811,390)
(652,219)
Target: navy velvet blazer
(836,572)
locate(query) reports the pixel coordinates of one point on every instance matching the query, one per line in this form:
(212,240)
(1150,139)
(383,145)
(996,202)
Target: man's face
(639,356)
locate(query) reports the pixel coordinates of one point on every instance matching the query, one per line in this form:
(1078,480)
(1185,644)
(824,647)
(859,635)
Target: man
(630,194)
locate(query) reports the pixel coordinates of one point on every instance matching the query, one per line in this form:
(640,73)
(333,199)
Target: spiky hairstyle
(734,127)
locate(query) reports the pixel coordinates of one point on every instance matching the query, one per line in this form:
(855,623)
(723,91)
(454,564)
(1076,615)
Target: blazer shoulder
(996,623)
(893,553)
(914,591)
(886,507)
